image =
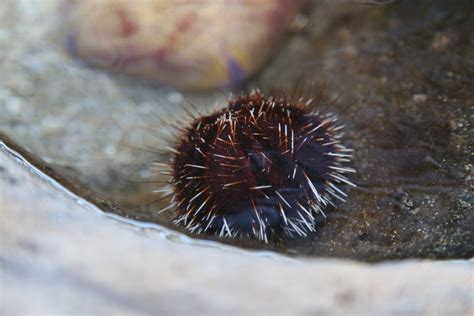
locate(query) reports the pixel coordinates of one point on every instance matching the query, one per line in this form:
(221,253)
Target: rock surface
(61,255)
(185,44)
(410,64)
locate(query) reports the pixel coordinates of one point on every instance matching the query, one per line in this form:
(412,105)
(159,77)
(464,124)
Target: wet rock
(414,160)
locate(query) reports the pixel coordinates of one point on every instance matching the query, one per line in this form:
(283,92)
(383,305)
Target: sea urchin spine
(260,167)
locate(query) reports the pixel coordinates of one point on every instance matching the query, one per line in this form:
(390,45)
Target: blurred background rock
(185,44)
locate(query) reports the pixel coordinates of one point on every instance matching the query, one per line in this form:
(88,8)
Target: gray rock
(60,254)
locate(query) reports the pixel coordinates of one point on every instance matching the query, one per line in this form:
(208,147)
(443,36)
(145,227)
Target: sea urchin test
(263,167)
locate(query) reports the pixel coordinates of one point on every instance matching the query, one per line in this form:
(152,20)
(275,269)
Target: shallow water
(403,74)
(36,167)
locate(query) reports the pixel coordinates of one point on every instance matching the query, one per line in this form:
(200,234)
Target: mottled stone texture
(187,44)
(58,256)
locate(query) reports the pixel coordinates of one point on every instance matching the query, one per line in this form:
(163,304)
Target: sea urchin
(260,167)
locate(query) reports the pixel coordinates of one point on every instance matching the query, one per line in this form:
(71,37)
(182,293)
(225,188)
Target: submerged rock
(412,135)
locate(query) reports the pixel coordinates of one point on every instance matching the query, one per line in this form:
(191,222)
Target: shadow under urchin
(261,168)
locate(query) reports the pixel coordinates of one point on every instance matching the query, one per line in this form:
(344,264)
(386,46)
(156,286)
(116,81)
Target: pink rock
(189,44)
